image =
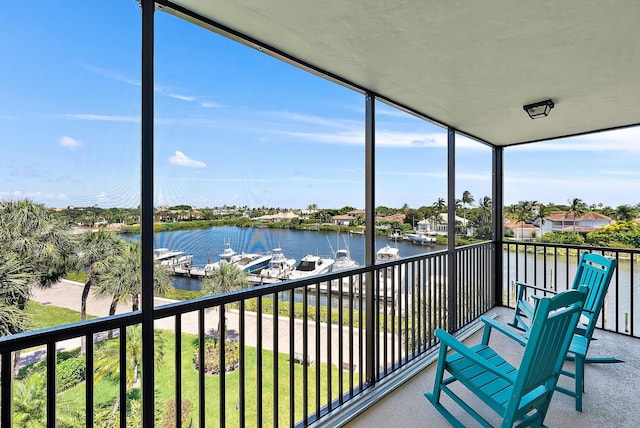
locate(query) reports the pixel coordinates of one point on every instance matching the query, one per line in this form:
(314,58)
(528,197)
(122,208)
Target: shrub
(70,372)
(169,415)
(212,357)
(562,238)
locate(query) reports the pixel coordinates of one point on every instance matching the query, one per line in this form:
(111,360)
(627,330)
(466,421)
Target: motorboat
(387,253)
(279,266)
(420,238)
(250,263)
(311,265)
(343,261)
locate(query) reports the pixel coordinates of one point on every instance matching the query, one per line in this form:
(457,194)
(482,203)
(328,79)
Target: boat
(228,256)
(311,265)
(396,236)
(387,253)
(279,266)
(252,262)
(420,238)
(164,254)
(392,276)
(343,261)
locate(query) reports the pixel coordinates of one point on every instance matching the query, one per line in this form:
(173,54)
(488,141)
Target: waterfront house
(566,222)
(480,72)
(278,217)
(520,229)
(441,226)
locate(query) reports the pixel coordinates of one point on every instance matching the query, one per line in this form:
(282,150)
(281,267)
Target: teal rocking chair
(595,272)
(521,396)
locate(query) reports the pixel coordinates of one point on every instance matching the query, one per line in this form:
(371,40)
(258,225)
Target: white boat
(420,238)
(252,262)
(228,255)
(343,261)
(279,267)
(164,254)
(387,253)
(311,265)
(396,236)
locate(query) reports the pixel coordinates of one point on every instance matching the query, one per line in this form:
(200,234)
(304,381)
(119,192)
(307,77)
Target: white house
(565,222)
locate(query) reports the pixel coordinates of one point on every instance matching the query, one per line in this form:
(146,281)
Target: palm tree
(540,214)
(223,280)
(107,362)
(98,250)
(440,205)
(122,280)
(30,404)
(32,233)
(16,278)
(520,213)
(467,199)
(577,207)
(626,212)
(40,241)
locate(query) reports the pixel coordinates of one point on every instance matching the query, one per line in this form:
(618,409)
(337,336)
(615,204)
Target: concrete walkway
(68,294)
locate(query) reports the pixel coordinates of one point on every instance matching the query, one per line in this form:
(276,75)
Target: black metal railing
(298,349)
(553,266)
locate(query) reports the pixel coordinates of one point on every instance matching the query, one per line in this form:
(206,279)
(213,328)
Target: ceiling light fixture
(539,109)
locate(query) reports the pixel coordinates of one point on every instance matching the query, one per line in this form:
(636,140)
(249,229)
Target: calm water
(206,244)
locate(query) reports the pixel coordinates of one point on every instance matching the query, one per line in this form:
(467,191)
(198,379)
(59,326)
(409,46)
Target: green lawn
(106,391)
(43,316)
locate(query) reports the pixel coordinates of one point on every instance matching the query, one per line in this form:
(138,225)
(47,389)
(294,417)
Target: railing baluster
(223,367)
(292,383)
(276,373)
(178,363)
(317,353)
(259,362)
(242,408)
(88,391)
(123,376)
(201,373)
(51,384)
(305,352)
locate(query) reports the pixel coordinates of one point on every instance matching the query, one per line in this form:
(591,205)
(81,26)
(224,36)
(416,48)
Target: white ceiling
(469,64)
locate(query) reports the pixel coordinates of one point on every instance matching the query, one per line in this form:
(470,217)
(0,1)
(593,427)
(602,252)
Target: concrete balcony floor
(611,397)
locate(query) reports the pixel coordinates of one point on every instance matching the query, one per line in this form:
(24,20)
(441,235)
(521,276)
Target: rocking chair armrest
(522,285)
(490,323)
(449,341)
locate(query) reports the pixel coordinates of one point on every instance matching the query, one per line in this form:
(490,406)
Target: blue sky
(236,127)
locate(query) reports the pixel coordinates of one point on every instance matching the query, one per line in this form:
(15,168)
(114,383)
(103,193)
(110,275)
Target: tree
(98,249)
(108,356)
(540,213)
(440,205)
(40,241)
(30,405)
(467,199)
(223,280)
(16,278)
(577,207)
(122,279)
(34,235)
(521,213)
(626,212)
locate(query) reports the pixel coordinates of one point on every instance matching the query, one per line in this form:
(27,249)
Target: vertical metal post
(370,250)
(452,309)
(146,238)
(497,224)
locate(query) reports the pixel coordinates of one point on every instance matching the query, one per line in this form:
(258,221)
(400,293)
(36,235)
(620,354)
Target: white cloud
(103,117)
(181,159)
(209,104)
(182,97)
(69,142)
